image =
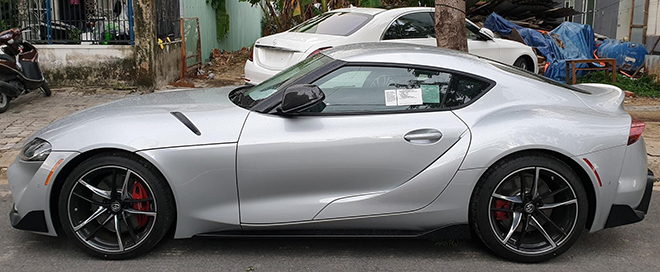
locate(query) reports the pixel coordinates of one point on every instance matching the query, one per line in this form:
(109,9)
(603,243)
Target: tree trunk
(450,24)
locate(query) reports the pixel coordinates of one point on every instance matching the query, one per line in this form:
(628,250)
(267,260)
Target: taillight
(636,129)
(251,58)
(318,51)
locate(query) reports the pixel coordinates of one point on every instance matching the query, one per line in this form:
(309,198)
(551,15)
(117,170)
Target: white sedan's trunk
(288,48)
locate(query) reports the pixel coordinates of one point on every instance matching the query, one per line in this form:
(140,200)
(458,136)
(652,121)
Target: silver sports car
(366,140)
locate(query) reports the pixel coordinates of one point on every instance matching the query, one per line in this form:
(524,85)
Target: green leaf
(370,3)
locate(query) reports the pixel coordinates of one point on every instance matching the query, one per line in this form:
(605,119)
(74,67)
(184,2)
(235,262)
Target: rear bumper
(624,214)
(255,74)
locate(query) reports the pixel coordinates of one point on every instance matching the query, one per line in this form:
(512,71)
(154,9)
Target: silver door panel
(424,187)
(289,168)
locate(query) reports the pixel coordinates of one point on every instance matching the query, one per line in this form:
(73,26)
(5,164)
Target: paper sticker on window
(407,97)
(403,97)
(431,94)
(390,98)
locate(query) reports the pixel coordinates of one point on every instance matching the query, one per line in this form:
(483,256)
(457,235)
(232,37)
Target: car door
(377,128)
(413,28)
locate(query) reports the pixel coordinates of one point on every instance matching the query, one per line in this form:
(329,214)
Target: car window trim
(316,75)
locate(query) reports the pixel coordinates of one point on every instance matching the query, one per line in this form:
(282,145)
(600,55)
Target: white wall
(59,56)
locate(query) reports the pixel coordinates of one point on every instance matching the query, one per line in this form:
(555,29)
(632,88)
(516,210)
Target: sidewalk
(30,113)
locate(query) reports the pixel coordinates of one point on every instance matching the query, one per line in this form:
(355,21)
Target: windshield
(248,98)
(533,76)
(334,23)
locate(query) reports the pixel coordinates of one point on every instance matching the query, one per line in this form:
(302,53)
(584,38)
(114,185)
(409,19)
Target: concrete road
(628,248)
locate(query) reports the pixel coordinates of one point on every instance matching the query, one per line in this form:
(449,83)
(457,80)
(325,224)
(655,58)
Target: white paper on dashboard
(407,97)
(390,98)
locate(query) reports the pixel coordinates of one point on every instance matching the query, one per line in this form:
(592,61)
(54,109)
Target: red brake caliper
(140,193)
(502,204)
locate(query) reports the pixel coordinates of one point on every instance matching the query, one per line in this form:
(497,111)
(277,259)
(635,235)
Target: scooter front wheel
(4,102)
(45,89)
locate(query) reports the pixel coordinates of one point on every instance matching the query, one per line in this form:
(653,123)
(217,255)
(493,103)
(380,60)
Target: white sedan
(274,53)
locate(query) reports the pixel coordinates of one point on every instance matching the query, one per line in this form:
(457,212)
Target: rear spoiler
(603,97)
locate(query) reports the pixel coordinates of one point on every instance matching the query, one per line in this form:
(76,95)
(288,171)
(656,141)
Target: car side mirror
(300,97)
(487,33)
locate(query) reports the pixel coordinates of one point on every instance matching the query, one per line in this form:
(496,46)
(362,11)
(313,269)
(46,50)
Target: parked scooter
(19,68)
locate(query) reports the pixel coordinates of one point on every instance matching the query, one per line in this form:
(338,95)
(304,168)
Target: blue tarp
(629,56)
(567,41)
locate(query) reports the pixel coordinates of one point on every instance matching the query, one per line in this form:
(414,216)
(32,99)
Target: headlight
(35,150)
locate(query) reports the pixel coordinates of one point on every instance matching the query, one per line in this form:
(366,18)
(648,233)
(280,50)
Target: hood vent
(189,124)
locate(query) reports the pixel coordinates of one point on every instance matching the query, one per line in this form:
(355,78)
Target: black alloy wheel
(115,206)
(529,208)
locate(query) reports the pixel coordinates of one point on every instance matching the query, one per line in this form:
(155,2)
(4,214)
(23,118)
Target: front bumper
(31,210)
(32,221)
(624,214)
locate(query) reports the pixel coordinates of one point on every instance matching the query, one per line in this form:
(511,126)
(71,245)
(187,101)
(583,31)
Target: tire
(522,63)
(143,212)
(4,102)
(45,89)
(497,205)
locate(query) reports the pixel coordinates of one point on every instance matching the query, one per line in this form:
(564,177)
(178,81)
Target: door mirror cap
(300,97)
(487,33)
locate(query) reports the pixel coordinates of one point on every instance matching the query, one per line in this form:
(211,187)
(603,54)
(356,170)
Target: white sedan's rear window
(334,23)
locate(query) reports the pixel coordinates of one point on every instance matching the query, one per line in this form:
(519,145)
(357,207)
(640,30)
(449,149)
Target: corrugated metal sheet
(244,26)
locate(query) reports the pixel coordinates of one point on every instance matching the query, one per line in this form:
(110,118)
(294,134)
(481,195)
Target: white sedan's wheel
(116,206)
(522,63)
(530,208)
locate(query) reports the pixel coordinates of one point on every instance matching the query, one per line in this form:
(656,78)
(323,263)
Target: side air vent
(189,124)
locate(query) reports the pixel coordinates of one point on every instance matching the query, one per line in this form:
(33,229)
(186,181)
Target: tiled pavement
(25,116)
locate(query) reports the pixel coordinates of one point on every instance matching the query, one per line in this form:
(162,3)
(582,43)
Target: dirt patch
(225,68)
(641,101)
(648,110)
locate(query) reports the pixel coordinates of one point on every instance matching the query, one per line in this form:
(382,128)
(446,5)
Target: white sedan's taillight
(318,51)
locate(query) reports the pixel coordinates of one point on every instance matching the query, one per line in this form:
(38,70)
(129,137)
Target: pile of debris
(537,14)
(223,68)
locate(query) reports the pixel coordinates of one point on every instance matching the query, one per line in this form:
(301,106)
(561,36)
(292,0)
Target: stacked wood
(537,14)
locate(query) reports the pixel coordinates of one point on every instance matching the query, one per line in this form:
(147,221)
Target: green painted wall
(244,25)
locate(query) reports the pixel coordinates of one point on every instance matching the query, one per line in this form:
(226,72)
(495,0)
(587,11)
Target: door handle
(423,136)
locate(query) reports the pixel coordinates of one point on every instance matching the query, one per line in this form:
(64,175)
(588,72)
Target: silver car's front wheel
(112,206)
(529,208)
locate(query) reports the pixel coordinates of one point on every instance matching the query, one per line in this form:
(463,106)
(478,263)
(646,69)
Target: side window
(379,89)
(411,26)
(472,32)
(463,90)
(364,89)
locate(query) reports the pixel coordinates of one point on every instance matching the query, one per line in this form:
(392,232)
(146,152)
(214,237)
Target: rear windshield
(533,76)
(334,23)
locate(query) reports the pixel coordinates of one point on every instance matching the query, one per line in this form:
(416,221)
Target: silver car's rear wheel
(529,207)
(111,209)
(533,210)
(116,206)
